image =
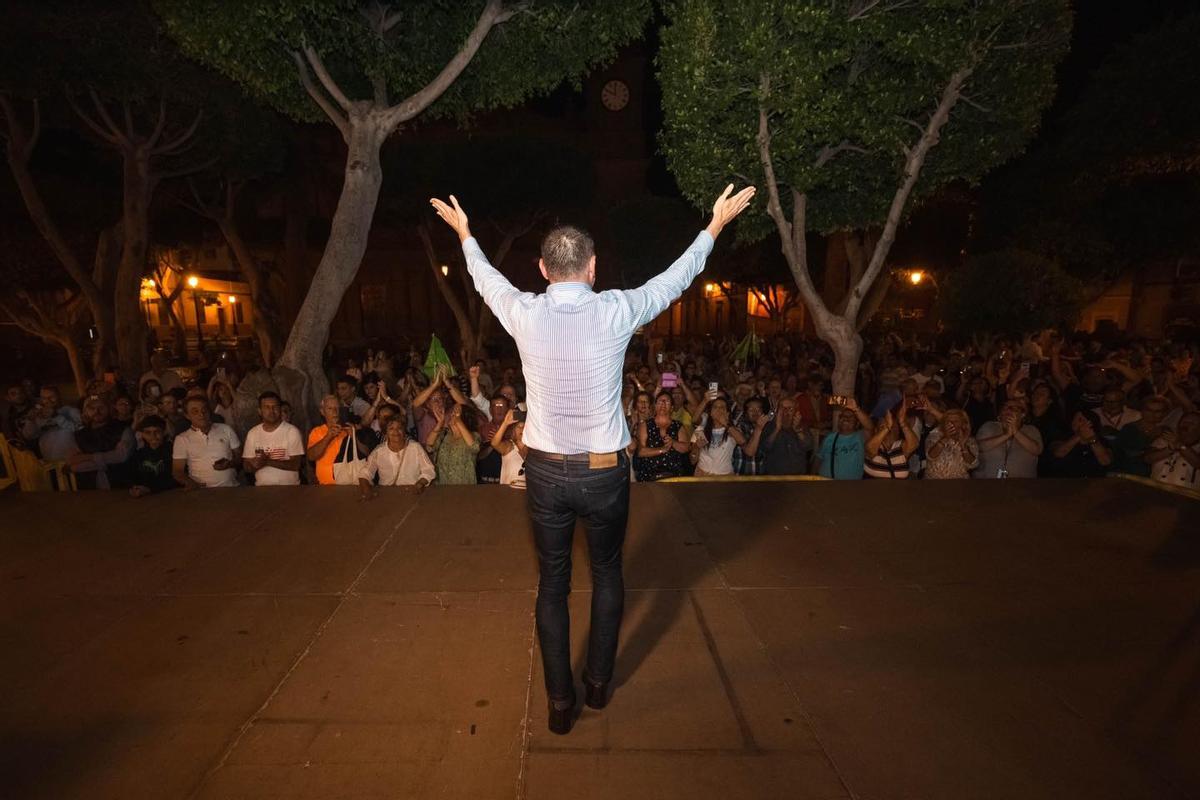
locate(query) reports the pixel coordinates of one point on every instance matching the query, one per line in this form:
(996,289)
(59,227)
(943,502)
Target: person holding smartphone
(842,451)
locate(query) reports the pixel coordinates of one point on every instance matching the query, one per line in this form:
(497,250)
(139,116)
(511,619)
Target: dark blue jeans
(557,494)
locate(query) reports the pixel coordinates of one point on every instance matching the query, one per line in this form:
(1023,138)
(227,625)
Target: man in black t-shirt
(150,466)
(1083,454)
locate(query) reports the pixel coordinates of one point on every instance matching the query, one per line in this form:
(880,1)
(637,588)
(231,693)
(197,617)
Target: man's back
(572,342)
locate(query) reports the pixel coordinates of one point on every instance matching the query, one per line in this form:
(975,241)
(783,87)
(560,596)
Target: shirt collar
(566,291)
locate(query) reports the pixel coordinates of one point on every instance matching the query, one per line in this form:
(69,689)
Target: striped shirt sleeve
(653,297)
(502,297)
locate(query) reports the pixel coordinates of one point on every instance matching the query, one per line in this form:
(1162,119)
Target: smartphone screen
(669,380)
(712,387)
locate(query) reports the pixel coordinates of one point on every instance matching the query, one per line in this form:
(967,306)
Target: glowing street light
(916,276)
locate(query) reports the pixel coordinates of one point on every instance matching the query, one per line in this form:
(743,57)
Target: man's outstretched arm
(653,297)
(500,295)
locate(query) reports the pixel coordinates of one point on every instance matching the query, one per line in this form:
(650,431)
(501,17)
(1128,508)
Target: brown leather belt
(595,459)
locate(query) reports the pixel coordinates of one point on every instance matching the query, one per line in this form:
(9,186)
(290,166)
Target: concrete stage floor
(997,639)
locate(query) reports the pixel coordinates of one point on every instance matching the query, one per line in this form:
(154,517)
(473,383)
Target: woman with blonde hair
(951,451)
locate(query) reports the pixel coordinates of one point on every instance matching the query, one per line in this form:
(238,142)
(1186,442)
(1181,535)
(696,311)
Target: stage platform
(991,639)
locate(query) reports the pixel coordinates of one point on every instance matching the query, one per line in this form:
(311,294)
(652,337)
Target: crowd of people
(1039,407)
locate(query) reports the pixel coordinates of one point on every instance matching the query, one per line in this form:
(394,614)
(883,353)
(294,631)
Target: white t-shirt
(283,442)
(400,469)
(716,459)
(1174,470)
(511,465)
(202,450)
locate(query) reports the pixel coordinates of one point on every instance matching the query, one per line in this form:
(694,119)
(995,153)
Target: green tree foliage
(844,112)
(861,75)
(1009,292)
(371,67)
(542,44)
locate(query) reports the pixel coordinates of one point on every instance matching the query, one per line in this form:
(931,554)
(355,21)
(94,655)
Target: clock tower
(616,124)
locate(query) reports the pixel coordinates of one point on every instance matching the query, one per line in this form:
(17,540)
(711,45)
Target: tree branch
(456,306)
(912,171)
(391,20)
(95,127)
(788,234)
(863,8)
(828,153)
(175,144)
(108,120)
(128,111)
(190,169)
(159,125)
(967,99)
(493,14)
(19,147)
(335,116)
(201,208)
(19,143)
(318,67)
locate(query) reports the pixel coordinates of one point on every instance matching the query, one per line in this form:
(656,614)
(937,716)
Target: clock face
(615,95)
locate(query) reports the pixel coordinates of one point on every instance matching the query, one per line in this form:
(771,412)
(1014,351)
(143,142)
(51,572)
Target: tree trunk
(837,279)
(78,370)
(840,330)
(132,356)
(847,348)
(301,361)
(39,214)
(178,331)
(104,269)
(268,330)
(467,332)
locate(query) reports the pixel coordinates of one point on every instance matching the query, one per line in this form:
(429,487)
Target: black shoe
(561,719)
(595,694)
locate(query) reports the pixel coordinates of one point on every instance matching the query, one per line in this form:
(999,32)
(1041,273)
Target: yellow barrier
(1166,487)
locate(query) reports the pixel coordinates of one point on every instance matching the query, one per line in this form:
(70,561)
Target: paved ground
(996,639)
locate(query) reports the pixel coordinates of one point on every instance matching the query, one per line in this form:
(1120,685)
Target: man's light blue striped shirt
(572,342)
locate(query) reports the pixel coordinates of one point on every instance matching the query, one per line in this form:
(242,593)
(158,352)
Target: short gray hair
(566,251)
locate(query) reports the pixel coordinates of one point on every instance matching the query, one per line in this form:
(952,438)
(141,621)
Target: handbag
(347,471)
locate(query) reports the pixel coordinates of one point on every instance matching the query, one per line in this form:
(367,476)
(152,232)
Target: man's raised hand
(727,207)
(453,215)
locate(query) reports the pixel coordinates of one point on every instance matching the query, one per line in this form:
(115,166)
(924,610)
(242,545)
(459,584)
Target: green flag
(747,349)
(437,356)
